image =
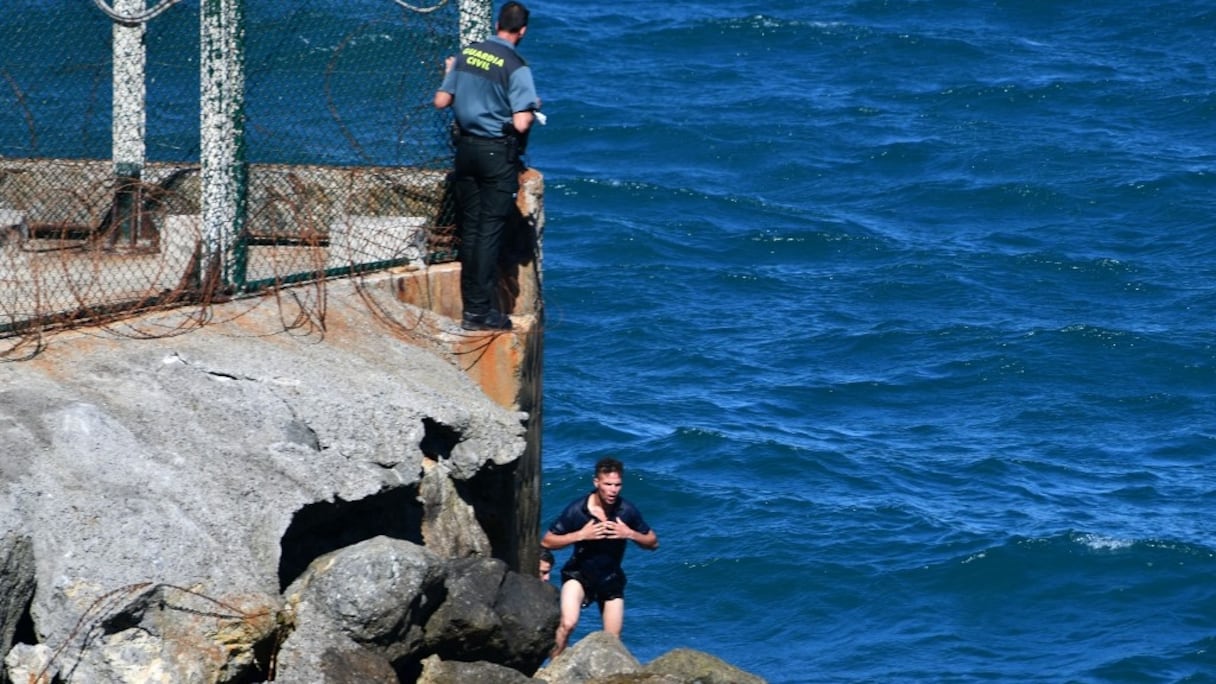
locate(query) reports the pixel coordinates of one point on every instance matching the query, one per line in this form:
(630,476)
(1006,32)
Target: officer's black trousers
(485,182)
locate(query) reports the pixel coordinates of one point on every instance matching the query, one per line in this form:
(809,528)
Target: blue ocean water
(900,313)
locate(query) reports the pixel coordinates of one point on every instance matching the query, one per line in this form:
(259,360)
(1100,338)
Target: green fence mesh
(344,165)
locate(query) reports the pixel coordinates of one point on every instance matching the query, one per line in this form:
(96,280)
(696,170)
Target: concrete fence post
(222,143)
(129,120)
(128,128)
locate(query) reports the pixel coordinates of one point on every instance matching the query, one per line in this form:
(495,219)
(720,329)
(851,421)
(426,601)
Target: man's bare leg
(572,604)
(614,616)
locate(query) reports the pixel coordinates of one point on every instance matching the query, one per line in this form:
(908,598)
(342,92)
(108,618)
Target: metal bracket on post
(222,141)
(128,228)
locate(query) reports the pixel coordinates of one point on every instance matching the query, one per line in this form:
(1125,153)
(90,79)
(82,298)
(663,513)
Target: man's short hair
(609,465)
(546,556)
(512,17)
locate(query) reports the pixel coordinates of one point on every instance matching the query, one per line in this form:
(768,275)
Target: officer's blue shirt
(489,83)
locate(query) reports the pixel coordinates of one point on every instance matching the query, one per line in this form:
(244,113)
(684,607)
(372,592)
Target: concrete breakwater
(332,484)
(194,478)
(168,477)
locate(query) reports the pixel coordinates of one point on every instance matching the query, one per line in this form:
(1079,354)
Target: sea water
(900,314)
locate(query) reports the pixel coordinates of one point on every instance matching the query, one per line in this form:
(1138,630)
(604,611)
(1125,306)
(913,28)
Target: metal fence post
(476,20)
(222,143)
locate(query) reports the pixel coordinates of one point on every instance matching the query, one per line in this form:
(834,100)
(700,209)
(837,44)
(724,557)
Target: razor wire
(422,10)
(164,5)
(139,18)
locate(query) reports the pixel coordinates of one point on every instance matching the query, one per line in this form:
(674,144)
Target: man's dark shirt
(597,558)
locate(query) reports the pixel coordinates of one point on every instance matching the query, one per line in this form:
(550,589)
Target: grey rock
(379,593)
(696,666)
(530,611)
(640,678)
(170,634)
(16,584)
(600,658)
(599,654)
(354,666)
(436,671)
(465,626)
(495,615)
(317,651)
(449,525)
(30,664)
(388,601)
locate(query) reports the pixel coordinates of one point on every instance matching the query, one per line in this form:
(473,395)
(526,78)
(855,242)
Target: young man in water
(598,524)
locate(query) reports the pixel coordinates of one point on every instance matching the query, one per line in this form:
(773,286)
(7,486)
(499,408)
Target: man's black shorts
(597,589)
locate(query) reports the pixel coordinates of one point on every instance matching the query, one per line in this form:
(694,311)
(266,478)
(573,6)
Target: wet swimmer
(599,526)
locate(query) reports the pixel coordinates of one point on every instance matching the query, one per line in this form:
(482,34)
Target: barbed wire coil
(140,18)
(421,10)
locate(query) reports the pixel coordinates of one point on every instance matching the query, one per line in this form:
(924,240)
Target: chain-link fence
(119,119)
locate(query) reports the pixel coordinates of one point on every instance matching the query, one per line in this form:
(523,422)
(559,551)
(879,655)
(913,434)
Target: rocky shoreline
(381,611)
(256,502)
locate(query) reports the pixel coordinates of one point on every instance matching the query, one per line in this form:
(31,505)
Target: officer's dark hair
(512,17)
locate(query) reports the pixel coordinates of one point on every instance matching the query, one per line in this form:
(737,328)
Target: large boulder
(599,654)
(493,614)
(601,658)
(466,627)
(379,592)
(689,665)
(530,611)
(364,603)
(394,602)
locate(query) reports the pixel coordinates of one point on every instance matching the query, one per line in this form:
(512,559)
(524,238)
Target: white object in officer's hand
(540,118)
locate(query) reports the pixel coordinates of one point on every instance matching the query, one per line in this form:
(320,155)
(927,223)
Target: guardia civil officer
(490,89)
